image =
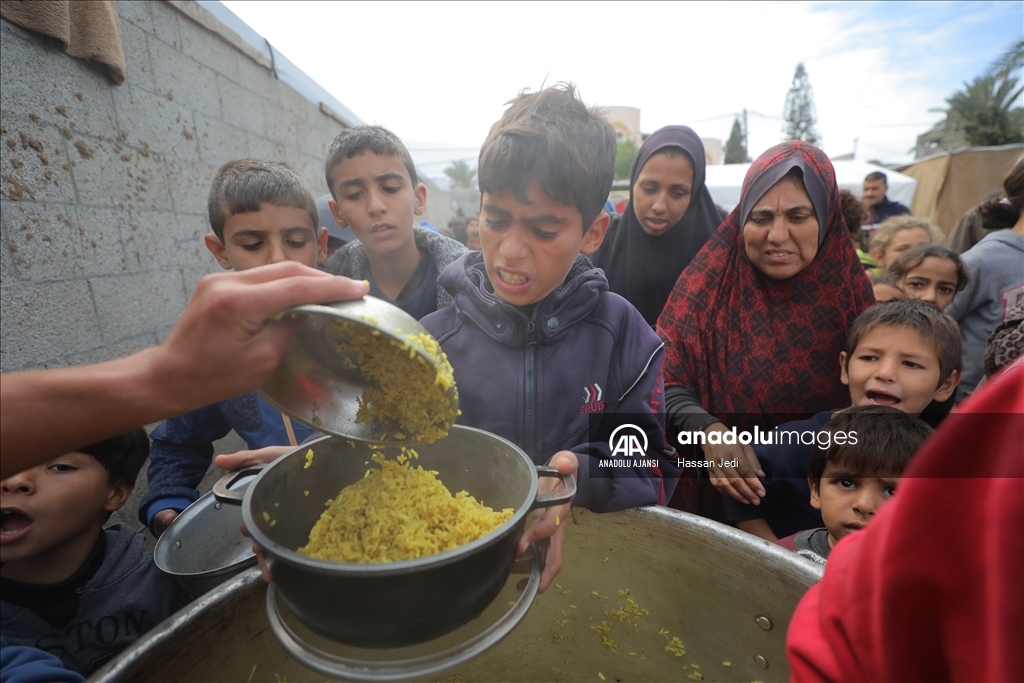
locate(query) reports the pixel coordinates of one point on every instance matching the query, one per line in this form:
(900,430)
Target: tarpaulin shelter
(724,182)
(950,183)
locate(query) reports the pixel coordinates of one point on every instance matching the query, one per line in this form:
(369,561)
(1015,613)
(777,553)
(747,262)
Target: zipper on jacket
(530,428)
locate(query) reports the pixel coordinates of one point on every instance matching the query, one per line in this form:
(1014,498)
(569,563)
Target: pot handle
(546,500)
(222,489)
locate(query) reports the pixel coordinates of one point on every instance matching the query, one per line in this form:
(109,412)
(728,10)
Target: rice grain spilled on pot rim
(410,395)
(398,513)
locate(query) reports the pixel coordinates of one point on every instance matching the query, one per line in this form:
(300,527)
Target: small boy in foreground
(260,212)
(901,353)
(375,193)
(854,476)
(71,587)
(537,342)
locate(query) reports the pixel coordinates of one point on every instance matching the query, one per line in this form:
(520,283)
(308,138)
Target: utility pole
(855,141)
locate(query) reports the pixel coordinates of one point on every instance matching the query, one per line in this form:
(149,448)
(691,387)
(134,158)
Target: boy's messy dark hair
(243,185)
(936,328)
(122,455)
(853,213)
(886,440)
(377,139)
(552,137)
(912,258)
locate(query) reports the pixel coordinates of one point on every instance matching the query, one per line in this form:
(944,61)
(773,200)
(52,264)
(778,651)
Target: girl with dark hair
(669,218)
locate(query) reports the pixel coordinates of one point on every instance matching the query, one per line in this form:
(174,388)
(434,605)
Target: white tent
(724,182)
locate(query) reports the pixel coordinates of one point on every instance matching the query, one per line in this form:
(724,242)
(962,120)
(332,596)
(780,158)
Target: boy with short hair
(375,193)
(71,587)
(537,342)
(900,353)
(260,212)
(856,472)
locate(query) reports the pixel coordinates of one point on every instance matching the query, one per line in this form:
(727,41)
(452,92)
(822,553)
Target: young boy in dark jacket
(70,587)
(541,349)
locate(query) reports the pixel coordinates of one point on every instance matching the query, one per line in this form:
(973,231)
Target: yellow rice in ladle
(398,513)
(407,395)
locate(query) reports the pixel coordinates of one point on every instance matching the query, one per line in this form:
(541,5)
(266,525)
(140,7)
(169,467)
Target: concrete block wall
(103,188)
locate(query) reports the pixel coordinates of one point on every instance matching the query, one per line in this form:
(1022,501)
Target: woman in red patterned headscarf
(756,322)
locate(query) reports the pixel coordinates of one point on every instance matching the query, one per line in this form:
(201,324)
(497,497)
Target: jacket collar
(477,304)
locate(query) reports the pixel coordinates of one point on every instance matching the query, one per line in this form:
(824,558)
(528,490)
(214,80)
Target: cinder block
(281,126)
(157,124)
(113,175)
(208,49)
(112,351)
(190,277)
(262,148)
(252,74)
(34,164)
(135,13)
(243,108)
(158,239)
(164,23)
(102,233)
(220,142)
(189,183)
(8,272)
(137,63)
(44,320)
(137,303)
(184,80)
(38,79)
(316,136)
(44,239)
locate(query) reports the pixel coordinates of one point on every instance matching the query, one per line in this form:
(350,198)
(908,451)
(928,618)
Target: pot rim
(277,552)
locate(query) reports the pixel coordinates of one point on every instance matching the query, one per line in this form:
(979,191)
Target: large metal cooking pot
(728,596)
(399,603)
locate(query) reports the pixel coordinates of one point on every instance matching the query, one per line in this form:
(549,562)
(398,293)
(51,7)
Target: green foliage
(461,174)
(625,154)
(1010,61)
(735,146)
(984,110)
(800,114)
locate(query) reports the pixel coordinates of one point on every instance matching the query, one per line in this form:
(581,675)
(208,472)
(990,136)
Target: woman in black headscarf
(669,218)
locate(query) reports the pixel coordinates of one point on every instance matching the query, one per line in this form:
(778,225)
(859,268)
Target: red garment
(767,348)
(933,589)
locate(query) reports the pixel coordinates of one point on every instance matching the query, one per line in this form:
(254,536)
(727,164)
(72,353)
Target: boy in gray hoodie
(70,587)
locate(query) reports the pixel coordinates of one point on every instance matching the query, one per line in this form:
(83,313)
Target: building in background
(103,182)
(626,121)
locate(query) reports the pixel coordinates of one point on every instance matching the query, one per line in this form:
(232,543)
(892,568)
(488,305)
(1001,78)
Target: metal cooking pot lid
(350,663)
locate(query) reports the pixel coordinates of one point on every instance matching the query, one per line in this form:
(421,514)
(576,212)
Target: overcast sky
(439,74)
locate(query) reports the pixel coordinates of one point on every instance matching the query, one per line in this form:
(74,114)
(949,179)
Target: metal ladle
(316,386)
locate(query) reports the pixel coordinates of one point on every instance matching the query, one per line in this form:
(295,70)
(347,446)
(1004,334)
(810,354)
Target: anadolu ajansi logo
(628,440)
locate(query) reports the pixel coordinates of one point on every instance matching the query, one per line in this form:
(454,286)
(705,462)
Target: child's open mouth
(512,280)
(882,399)
(382,228)
(13,524)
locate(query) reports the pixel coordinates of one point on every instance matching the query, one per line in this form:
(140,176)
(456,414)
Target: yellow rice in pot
(398,513)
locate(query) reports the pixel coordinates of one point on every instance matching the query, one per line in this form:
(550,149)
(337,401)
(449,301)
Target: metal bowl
(203,547)
(727,595)
(399,603)
(320,386)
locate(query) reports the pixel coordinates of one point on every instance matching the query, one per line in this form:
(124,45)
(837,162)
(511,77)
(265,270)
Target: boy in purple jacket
(542,351)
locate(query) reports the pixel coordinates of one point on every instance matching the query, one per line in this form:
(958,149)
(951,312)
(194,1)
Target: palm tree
(984,110)
(461,174)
